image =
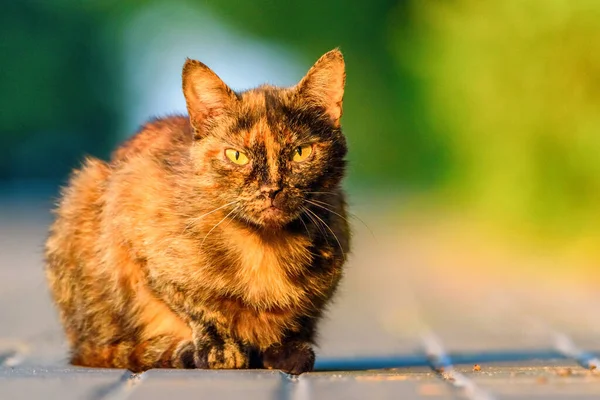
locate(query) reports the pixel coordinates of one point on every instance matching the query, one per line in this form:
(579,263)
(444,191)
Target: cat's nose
(270,190)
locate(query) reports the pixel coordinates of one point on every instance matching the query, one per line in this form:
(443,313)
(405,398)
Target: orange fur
(169,255)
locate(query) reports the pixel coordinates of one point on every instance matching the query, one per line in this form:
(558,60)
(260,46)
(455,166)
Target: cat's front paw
(293,358)
(229,355)
(226,356)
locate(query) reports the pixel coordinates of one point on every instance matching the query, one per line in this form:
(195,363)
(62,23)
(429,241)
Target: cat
(213,240)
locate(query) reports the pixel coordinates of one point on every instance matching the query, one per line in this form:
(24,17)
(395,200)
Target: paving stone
(158,384)
(59,384)
(401,383)
(542,379)
(27,310)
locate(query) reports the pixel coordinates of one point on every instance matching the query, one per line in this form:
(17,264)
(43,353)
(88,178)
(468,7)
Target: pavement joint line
(562,343)
(121,389)
(441,363)
(13,361)
(5,357)
(567,347)
(13,352)
(293,387)
(12,358)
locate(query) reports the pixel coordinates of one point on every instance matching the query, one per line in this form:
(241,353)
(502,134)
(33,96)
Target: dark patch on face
(313,126)
(273,107)
(244,122)
(309,124)
(311,120)
(260,170)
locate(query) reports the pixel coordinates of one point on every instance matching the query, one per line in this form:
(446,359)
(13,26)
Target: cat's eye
(237,157)
(301,153)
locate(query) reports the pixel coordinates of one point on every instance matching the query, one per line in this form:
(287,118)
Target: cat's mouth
(273,217)
(272,212)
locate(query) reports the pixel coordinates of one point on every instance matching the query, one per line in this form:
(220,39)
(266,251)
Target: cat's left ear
(324,83)
(206,95)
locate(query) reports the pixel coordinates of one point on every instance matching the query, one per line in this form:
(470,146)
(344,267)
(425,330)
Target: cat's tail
(158,352)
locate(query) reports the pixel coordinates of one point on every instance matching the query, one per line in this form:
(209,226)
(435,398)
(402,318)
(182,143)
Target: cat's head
(264,152)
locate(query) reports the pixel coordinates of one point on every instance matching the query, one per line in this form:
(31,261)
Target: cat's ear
(206,95)
(324,83)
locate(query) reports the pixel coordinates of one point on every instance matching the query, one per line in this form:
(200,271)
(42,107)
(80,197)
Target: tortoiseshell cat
(213,241)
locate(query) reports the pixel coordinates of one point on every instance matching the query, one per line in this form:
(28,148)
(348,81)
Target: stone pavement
(400,328)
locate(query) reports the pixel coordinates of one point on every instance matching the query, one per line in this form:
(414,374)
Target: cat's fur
(167,256)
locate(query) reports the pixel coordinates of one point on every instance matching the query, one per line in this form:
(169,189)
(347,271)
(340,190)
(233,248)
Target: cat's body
(212,241)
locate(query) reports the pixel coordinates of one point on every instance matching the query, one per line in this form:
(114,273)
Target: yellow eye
(301,153)
(236,157)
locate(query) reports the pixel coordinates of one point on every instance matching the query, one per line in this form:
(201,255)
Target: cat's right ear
(324,84)
(206,95)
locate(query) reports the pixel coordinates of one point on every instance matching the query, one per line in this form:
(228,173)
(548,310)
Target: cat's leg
(217,350)
(158,352)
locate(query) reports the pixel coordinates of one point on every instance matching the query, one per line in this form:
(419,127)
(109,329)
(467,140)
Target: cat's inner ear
(206,95)
(324,83)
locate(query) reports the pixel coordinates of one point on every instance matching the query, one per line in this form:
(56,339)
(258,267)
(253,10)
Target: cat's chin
(269,219)
(273,218)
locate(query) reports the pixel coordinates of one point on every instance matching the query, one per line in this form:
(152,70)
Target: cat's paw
(293,358)
(226,356)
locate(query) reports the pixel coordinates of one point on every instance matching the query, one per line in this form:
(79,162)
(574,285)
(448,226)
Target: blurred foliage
(492,106)
(55,100)
(515,89)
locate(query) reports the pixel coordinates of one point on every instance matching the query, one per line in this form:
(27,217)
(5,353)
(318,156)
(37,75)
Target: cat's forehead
(256,98)
(263,102)
(262,115)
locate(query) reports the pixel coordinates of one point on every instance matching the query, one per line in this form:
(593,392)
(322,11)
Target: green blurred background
(482,112)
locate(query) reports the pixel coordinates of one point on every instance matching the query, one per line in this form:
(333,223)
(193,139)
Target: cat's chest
(267,269)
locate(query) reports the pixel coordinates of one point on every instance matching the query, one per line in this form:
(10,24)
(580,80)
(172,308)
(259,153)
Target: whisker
(217,224)
(330,230)
(305,227)
(349,213)
(191,221)
(236,215)
(321,193)
(317,224)
(325,208)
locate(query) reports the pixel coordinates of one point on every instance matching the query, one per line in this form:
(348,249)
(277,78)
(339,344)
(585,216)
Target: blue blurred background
(473,126)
